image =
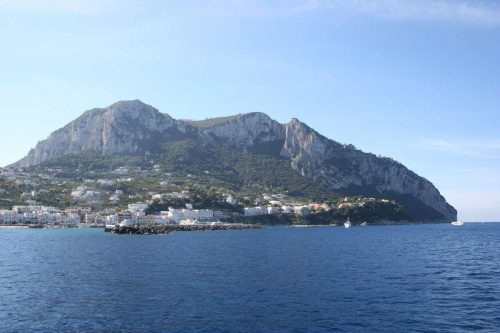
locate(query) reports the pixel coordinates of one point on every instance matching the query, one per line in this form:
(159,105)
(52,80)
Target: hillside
(211,122)
(244,153)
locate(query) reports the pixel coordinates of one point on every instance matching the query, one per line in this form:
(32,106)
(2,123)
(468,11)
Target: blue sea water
(421,278)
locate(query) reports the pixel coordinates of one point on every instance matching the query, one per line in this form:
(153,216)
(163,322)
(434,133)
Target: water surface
(422,278)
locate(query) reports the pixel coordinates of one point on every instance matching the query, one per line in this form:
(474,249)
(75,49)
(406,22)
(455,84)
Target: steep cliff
(343,166)
(246,131)
(127,127)
(132,128)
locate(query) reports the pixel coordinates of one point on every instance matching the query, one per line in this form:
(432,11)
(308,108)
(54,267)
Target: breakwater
(167,229)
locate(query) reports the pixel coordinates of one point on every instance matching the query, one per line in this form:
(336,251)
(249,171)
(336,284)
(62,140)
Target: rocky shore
(167,229)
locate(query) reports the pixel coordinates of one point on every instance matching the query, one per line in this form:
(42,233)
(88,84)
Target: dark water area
(422,278)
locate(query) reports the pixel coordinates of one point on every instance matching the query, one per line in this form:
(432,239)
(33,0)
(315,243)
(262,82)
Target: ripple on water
(430,278)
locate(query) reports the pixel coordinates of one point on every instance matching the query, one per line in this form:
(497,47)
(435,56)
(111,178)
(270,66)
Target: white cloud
(475,12)
(477,148)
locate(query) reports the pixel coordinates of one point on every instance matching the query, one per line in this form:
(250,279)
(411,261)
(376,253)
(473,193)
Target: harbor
(167,229)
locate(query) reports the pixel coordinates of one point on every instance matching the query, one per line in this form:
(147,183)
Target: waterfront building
(137,207)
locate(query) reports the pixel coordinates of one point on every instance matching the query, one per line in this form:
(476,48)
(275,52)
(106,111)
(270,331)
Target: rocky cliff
(128,127)
(343,166)
(132,127)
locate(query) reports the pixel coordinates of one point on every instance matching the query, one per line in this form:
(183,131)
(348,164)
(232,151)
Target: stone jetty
(167,229)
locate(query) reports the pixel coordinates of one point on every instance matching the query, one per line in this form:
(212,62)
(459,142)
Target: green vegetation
(243,172)
(417,209)
(158,206)
(89,160)
(207,172)
(199,198)
(211,122)
(371,211)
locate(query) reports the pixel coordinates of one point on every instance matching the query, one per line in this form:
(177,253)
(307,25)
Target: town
(54,197)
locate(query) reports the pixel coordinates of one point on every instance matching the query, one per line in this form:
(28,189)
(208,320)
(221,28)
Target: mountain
(134,128)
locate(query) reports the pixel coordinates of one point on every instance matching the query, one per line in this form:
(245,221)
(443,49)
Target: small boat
(457,223)
(347,224)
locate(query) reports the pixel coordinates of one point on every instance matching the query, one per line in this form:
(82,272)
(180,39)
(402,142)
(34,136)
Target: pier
(167,229)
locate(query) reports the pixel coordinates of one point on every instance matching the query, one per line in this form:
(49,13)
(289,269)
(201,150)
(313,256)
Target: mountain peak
(133,128)
(133,108)
(246,130)
(133,102)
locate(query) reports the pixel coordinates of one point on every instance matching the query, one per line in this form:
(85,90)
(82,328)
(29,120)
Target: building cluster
(138,170)
(135,213)
(177,195)
(284,209)
(41,215)
(36,214)
(83,193)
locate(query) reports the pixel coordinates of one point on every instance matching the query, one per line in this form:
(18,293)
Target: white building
(181,195)
(253,211)
(263,210)
(288,209)
(9,216)
(159,196)
(121,170)
(202,214)
(71,219)
(50,210)
(53,218)
(273,210)
(175,215)
(161,219)
(106,182)
(111,219)
(187,222)
(137,207)
(302,210)
(230,200)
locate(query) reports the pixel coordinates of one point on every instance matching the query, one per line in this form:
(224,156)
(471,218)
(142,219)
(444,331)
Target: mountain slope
(345,169)
(134,128)
(128,127)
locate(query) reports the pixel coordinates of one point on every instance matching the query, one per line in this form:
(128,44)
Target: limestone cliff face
(123,128)
(246,131)
(340,166)
(132,127)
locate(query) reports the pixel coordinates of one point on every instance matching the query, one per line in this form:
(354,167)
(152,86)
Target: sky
(415,80)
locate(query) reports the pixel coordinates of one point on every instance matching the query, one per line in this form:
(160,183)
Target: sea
(415,278)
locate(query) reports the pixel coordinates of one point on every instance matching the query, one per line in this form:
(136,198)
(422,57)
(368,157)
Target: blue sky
(416,80)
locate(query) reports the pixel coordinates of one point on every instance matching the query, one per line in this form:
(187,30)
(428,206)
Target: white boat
(347,224)
(457,223)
